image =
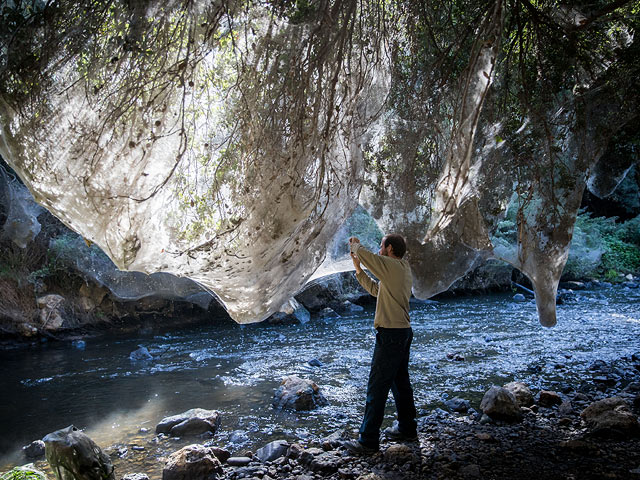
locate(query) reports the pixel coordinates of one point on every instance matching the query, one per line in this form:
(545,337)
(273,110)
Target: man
(390,364)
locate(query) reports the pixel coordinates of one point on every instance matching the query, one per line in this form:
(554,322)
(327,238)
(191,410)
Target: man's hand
(356,262)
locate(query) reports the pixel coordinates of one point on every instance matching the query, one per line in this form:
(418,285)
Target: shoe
(393,433)
(354,446)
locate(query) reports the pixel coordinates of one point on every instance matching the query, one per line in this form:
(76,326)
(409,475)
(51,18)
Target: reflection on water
(236,369)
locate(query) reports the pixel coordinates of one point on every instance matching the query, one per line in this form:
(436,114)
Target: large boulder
(327,313)
(272,450)
(457,404)
(348,308)
(325,463)
(611,417)
(192,422)
(321,462)
(221,454)
(141,354)
(105,284)
(297,393)
(547,398)
(524,397)
(90,296)
(34,449)
(51,311)
(72,455)
(400,454)
(500,404)
(192,462)
(566,409)
(291,312)
(330,291)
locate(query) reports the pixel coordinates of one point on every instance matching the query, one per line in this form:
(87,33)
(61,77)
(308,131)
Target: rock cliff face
(227,144)
(19,223)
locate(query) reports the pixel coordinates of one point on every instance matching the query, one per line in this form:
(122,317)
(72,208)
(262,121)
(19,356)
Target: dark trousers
(389,371)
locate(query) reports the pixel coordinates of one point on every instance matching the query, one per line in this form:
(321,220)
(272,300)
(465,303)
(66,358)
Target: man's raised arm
(365,280)
(376,264)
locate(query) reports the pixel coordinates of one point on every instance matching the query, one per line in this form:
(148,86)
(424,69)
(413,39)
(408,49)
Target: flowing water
(236,369)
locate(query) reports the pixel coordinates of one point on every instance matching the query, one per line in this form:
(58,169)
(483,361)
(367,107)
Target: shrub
(630,231)
(17,302)
(611,275)
(620,256)
(603,248)
(16,262)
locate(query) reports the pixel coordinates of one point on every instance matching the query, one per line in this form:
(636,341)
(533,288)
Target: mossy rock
(25,472)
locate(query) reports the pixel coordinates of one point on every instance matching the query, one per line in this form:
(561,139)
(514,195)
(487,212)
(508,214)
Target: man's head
(393,245)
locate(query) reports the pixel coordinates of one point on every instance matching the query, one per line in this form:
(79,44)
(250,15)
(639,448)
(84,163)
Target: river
(461,347)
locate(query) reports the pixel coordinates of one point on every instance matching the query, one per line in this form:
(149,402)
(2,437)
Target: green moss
(25,472)
(611,275)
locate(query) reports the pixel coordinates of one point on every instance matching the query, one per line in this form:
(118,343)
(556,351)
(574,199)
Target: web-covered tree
(224,140)
(561,84)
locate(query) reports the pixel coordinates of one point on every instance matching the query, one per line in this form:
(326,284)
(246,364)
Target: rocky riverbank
(579,433)
(544,445)
(586,431)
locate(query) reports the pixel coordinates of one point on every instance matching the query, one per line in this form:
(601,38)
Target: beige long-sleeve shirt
(393,289)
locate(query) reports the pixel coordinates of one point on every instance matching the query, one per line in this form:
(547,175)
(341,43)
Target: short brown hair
(397,243)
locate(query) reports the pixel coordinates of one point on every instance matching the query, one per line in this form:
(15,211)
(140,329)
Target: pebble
(136,476)
(485,437)
(458,405)
(472,471)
